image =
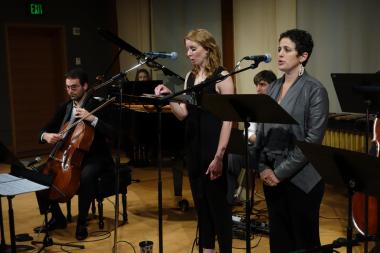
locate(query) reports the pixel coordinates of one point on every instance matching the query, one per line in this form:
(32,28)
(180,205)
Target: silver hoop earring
(301,70)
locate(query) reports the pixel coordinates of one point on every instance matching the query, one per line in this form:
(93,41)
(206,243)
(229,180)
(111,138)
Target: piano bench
(106,188)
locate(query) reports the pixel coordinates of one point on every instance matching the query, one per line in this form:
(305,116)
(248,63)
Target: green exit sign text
(36,8)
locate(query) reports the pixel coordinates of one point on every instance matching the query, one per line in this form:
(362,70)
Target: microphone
(259,58)
(171,55)
(36,160)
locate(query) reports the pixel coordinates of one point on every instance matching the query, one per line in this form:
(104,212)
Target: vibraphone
(347,131)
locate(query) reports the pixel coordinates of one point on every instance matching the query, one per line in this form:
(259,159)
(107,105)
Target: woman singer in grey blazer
(292,187)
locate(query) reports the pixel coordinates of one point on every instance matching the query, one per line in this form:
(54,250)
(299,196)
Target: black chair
(106,188)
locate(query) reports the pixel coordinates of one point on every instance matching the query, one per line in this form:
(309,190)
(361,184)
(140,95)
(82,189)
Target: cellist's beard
(76,98)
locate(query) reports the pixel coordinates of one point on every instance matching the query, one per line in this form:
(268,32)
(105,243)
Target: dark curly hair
(302,39)
(264,75)
(77,73)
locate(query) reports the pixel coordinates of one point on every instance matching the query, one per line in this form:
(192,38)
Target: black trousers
(91,170)
(235,163)
(214,212)
(293,217)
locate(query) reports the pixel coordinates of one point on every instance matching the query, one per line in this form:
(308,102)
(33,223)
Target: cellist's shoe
(81,232)
(52,224)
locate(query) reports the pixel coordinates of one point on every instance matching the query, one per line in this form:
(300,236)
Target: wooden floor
(179,228)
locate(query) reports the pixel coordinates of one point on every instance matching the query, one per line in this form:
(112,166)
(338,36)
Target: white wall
(172,20)
(161,25)
(346,35)
(257,25)
(345,32)
(134,28)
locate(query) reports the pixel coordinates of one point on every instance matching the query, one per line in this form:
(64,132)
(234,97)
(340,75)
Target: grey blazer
(307,102)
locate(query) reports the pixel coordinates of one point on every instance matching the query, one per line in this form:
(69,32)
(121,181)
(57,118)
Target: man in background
(262,80)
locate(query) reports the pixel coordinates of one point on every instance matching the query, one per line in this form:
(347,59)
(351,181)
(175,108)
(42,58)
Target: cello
(65,159)
(359,215)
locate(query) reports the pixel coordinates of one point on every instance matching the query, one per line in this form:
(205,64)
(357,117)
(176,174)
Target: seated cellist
(97,159)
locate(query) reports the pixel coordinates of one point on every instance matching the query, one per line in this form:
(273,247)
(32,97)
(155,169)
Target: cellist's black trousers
(87,190)
(91,170)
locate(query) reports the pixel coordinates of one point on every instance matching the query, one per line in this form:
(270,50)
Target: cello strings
(85,116)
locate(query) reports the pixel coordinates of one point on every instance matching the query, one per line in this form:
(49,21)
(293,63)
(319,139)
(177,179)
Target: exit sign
(36,8)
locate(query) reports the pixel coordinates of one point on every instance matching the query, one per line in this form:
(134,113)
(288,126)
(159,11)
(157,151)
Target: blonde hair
(207,41)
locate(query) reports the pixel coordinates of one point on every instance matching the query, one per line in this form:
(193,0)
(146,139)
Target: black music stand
(135,88)
(158,102)
(22,180)
(345,169)
(19,181)
(359,93)
(246,108)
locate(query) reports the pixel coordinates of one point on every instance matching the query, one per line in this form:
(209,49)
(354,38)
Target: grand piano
(139,138)
(139,132)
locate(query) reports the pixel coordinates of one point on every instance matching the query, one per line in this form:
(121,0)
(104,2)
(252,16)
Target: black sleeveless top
(202,131)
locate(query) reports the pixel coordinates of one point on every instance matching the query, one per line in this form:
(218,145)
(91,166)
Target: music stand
(22,180)
(136,88)
(158,102)
(246,108)
(359,93)
(354,91)
(342,168)
(19,181)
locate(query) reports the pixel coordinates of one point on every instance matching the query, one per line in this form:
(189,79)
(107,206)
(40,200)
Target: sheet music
(5,177)
(11,185)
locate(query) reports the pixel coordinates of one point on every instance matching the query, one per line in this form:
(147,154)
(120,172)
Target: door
(36,58)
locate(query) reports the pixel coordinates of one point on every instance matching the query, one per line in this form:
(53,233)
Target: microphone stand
(167,72)
(119,76)
(206,83)
(117,156)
